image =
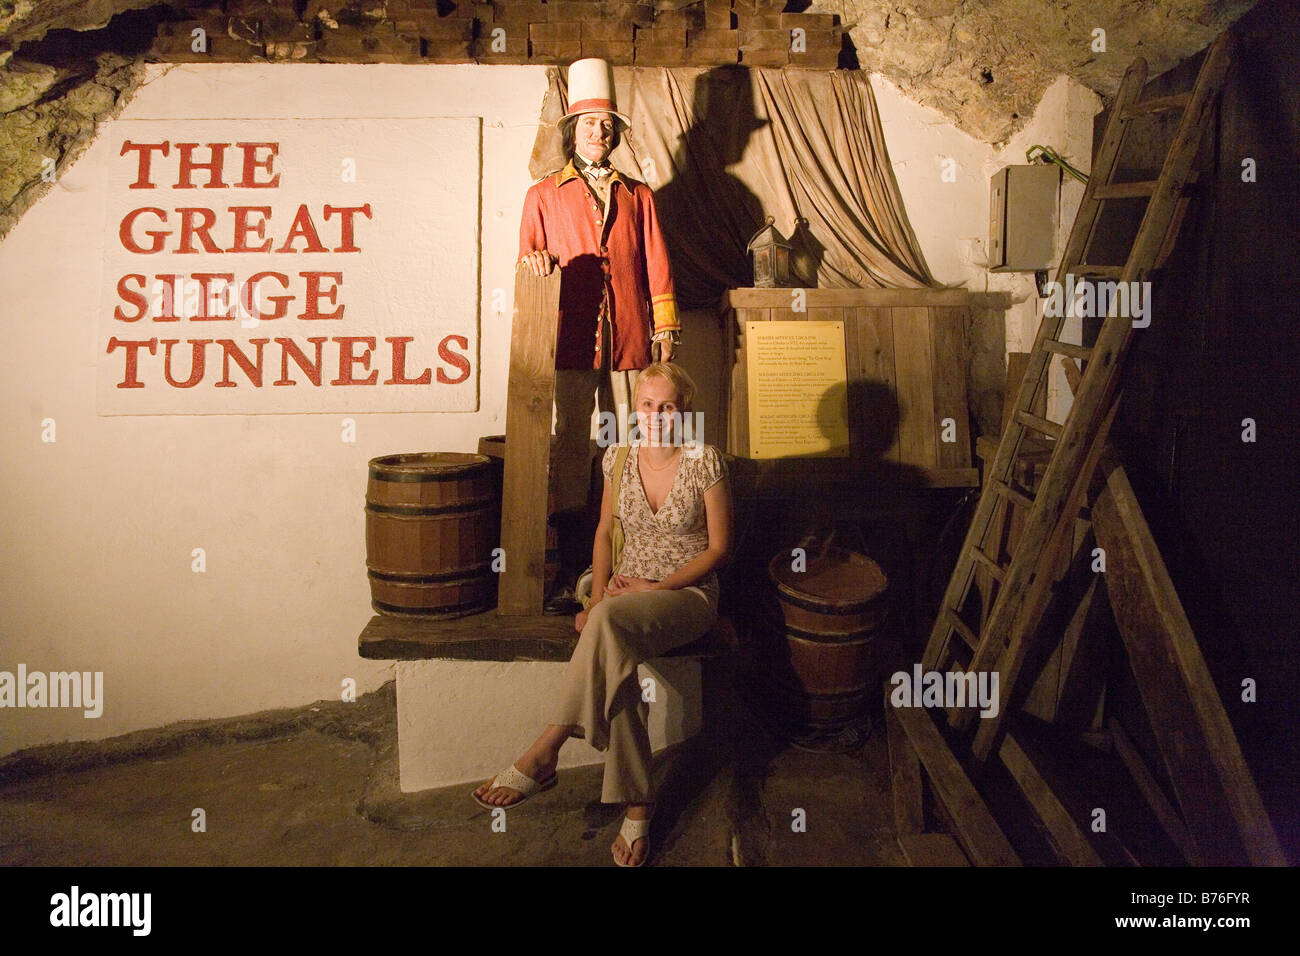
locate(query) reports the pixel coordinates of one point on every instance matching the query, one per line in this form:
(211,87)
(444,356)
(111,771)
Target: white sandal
(515,779)
(631,831)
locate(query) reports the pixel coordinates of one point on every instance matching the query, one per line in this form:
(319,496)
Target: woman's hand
(580,619)
(625,584)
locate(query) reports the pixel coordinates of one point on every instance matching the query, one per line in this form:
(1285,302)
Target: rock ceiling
(986,63)
(982,63)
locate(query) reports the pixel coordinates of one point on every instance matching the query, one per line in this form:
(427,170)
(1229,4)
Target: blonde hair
(674,375)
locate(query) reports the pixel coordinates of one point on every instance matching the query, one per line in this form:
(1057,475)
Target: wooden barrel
(826,625)
(429,534)
(494,447)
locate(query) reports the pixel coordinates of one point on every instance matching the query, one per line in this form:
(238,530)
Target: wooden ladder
(1024,583)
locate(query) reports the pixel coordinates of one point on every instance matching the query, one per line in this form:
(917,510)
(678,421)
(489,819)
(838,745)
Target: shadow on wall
(873,417)
(724,122)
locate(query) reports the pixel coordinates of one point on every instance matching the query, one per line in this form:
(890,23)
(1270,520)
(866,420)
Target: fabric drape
(724,147)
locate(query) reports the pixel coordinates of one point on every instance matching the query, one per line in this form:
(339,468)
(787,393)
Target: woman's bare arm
(602,546)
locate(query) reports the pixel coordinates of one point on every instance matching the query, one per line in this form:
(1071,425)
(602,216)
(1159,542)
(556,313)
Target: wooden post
(977,831)
(1067,836)
(529,397)
(1211,780)
(904,775)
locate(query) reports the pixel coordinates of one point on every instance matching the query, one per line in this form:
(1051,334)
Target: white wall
(96,549)
(1063,121)
(950,218)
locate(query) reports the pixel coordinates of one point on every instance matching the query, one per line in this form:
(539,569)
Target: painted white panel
(312,265)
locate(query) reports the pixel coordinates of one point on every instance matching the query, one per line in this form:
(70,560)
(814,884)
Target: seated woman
(675,506)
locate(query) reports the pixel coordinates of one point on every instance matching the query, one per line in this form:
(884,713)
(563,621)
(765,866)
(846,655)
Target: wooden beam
(931,849)
(1211,780)
(756,298)
(1070,684)
(492,636)
(1073,373)
(1017,363)
(529,398)
(1165,813)
(905,778)
(1175,101)
(977,831)
(1064,832)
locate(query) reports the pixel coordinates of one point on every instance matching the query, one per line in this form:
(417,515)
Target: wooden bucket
(494,447)
(430,521)
(827,627)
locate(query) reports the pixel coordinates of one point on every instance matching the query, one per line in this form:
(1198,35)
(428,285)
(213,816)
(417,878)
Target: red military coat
(622,262)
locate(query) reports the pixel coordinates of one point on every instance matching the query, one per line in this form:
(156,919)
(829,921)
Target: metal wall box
(1024,211)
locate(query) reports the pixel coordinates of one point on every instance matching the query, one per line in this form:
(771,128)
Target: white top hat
(591,90)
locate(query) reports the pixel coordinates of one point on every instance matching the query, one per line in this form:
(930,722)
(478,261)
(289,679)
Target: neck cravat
(593,170)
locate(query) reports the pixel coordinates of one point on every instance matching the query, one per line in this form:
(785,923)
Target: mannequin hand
(540,261)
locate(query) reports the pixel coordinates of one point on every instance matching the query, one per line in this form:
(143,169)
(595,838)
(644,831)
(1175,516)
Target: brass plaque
(798,390)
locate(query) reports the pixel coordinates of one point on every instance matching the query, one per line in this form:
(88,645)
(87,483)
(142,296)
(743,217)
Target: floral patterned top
(655,544)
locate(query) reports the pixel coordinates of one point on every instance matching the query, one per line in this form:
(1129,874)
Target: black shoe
(562,602)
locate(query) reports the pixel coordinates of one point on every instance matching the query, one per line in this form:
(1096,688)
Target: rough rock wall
(986,63)
(64,67)
(48,116)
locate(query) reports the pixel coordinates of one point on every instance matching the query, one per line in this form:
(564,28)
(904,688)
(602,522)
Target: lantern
(771,255)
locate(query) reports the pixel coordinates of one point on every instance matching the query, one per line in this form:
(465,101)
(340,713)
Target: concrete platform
(461,721)
(474,691)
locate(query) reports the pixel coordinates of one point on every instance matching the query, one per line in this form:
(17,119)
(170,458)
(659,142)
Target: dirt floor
(318,786)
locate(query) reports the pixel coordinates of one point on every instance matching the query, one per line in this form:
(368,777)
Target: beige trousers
(613,391)
(602,697)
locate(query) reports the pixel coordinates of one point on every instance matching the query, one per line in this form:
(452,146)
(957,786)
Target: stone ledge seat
(473,692)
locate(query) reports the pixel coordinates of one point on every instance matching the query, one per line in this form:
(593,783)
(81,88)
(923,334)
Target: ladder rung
(1125,190)
(1014,494)
(957,624)
(1038,424)
(1065,348)
(1106,272)
(995,569)
(1175,101)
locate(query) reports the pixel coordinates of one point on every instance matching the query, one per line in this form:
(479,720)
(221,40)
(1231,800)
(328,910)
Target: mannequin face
(592,135)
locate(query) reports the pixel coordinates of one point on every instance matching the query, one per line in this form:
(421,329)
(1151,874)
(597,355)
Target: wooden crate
(906,362)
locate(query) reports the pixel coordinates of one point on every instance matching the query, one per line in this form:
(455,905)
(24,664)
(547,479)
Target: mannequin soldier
(600,227)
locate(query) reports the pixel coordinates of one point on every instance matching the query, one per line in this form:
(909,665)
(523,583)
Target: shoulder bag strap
(615,484)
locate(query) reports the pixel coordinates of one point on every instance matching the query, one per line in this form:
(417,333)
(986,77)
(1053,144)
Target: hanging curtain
(725,147)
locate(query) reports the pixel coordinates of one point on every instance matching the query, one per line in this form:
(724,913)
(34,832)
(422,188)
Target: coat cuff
(665,313)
